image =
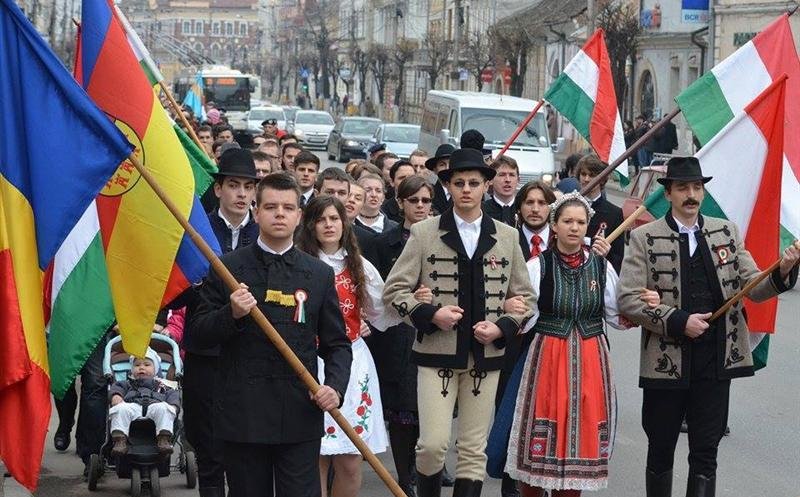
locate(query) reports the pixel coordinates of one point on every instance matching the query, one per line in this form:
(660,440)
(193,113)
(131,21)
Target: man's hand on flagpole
(242,301)
(791,257)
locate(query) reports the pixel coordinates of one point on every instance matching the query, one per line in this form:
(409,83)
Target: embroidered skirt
(362,407)
(565,415)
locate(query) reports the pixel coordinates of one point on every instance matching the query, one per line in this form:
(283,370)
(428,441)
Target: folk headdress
(567,197)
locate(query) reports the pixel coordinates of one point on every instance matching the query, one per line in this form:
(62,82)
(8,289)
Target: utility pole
(457,38)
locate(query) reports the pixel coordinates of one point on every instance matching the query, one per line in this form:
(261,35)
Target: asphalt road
(760,458)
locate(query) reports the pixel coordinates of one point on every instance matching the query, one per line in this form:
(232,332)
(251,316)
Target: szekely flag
(713,101)
(584,94)
(746,161)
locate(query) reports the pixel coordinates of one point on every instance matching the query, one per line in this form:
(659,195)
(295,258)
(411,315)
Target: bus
(447,114)
(227,88)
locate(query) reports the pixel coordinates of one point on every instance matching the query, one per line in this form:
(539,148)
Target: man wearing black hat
(270,127)
(437,163)
(234,227)
(696,263)
(472,138)
(376,151)
(471,263)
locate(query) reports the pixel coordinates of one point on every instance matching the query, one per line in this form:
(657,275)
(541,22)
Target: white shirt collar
(501,203)
(307,194)
(245,220)
(268,249)
(474,225)
(685,229)
(377,225)
(544,233)
(339,255)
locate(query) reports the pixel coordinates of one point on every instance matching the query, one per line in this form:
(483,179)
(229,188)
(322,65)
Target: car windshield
(230,93)
(261,114)
(497,126)
(290,113)
(401,134)
(360,127)
(313,118)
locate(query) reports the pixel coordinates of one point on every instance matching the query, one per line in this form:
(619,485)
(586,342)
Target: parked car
(401,139)
(350,137)
(312,128)
(290,111)
(642,186)
(256,116)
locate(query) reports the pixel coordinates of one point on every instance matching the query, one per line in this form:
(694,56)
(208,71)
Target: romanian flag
(149,258)
(48,176)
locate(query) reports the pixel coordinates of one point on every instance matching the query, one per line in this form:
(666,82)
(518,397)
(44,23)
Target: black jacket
(388,224)
(247,235)
(608,217)
(499,213)
(391,209)
(258,397)
(440,201)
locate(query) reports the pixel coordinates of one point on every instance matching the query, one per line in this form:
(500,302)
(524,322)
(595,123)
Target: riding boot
(447,480)
(529,491)
(429,486)
(211,492)
(701,486)
(659,485)
(508,487)
(467,488)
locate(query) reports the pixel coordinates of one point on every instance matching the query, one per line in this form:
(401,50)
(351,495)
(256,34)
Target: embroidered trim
(435,275)
(445,374)
(433,259)
(654,255)
(656,274)
(477,378)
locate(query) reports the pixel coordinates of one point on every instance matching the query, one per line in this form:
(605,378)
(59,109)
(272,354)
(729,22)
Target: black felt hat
(472,138)
(467,159)
(377,148)
(683,169)
(443,152)
(237,163)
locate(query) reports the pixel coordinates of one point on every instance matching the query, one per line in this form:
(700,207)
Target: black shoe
(211,492)
(467,488)
(429,486)
(61,441)
(408,489)
(701,486)
(508,487)
(447,480)
(659,485)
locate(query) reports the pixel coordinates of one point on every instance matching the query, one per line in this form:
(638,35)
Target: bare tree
(381,66)
(622,28)
(403,54)
(317,14)
(481,54)
(513,44)
(438,51)
(361,66)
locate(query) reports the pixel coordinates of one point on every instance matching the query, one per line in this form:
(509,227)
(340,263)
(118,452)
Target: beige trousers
(436,417)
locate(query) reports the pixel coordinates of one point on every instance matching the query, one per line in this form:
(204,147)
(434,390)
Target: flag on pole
(584,94)
(712,101)
(746,160)
(149,257)
(48,176)
(194,98)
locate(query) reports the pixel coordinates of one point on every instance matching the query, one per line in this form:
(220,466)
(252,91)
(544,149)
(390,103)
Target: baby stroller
(143,463)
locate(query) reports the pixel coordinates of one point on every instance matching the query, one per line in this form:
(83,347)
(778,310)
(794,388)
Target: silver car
(257,115)
(401,139)
(312,128)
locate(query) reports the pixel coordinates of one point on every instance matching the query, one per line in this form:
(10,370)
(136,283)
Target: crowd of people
(427,289)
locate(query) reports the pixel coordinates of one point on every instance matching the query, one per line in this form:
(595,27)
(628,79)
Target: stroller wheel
(155,483)
(136,482)
(191,470)
(95,471)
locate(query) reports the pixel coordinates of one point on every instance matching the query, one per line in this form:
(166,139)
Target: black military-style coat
(440,201)
(608,217)
(258,398)
(505,215)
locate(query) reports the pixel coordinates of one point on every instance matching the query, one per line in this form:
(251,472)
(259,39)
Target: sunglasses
(418,200)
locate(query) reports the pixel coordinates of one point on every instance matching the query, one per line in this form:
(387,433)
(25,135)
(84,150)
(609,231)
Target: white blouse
(373,310)
(612,314)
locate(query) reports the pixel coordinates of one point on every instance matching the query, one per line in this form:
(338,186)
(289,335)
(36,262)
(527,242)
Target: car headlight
(350,143)
(547,178)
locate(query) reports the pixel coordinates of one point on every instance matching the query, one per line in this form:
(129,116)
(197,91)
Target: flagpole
(744,291)
(288,354)
(521,127)
(176,108)
(633,148)
(626,223)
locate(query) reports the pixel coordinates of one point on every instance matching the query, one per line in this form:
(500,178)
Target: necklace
(376,216)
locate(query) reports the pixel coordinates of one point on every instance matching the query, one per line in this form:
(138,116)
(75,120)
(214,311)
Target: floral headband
(567,197)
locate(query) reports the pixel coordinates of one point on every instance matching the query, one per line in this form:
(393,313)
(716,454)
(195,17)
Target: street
(759,458)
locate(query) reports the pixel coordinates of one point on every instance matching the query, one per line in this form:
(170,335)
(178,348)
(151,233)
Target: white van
(447,114)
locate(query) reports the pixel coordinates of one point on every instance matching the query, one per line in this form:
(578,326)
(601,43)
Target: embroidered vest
(348,303)
(571,298)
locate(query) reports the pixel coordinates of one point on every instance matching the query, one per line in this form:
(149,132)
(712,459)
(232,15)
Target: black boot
(467,488)
(429,486)
(659,485)
(447,480)
(701,486)
(212,492)
(508,488)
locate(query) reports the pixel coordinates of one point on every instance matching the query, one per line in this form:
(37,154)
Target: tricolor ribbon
(300,296)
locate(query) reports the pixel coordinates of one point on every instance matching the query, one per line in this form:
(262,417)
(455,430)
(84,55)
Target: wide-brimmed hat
(472,138)
(377,148)
(237,163)
(466,159)
(683,169)
(443,152)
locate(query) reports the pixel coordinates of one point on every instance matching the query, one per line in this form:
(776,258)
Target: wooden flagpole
(626,223)
(521,127)
(288,354)
(744,291)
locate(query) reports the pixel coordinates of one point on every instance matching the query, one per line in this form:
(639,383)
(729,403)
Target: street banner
(584,94)
(48,176)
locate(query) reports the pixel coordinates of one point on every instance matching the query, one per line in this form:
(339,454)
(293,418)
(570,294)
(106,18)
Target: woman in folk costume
(327,234)
(564,418)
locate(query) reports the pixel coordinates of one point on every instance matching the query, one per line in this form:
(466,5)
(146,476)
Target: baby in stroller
(143,395)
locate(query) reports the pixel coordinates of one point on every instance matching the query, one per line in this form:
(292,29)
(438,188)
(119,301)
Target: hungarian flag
(746,160)
(149,258)
(584,93)
(48,176)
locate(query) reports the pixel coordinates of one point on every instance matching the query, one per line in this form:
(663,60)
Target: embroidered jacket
(658,259)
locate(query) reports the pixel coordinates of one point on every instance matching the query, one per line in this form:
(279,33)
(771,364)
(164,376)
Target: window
(215,28)
(198,27)
(647,98)
(243,29)
(187,27)
(229,28)
(215,50)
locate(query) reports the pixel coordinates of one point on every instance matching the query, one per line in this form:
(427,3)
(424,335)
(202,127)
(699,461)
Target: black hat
(472,138)
(683,169)
(467,159)
(237,163)
(271,120)
(443,152)
(377,148)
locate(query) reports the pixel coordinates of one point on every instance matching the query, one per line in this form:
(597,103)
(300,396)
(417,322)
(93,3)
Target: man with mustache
(696,263)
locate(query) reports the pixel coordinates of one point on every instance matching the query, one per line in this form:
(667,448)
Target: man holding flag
(697,263)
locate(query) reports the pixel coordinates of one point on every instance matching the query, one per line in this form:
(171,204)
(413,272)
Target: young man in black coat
(607,216)
(269,423)
(500,206)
